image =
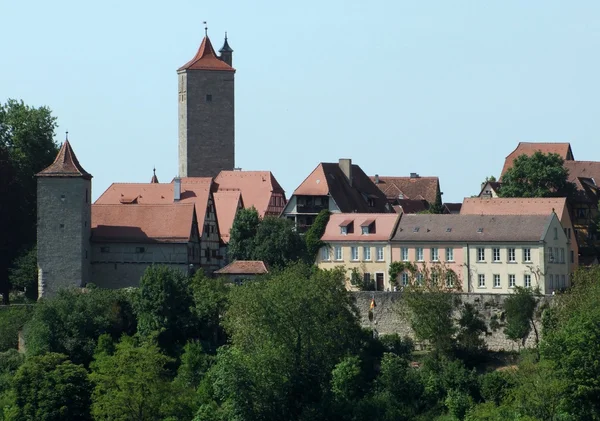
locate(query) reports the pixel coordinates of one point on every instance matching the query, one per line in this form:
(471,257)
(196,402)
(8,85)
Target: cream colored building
(359,243)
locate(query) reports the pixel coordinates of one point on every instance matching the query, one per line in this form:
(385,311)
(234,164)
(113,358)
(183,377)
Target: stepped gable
(65,165)
(529,148)
(329,179)
(195,190)
(167,223)
(206,59)
(256,187)
(413,188)
(226,207)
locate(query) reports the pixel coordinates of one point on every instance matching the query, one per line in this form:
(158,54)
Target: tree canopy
(538,175)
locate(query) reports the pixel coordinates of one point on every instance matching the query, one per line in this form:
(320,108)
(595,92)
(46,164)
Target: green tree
(243,233)
(164,307)
(470,329)
(519,308)
(12,320)
(71,322)
(50,387)
(277,243)
(346,379)
(23,275)
(437,206)
(539,175)
(314,234)
(133,384)
(26,147)
(210,304)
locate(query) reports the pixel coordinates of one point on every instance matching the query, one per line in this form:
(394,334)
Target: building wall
(372,266)
(567,224)
(556,267)
(206,128)
(210,240)
(63,233)
(456,264)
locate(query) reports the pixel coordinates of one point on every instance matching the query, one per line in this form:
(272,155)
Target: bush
(12,320)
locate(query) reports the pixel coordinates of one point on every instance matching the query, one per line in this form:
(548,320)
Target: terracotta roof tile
(529,148)
(413,188)
(514,206)
(434,228)
(585,175)
(244,267)
(65,165)
(381,230)
(257,189)
(226,206)
(171,223)
(411,206)
(206,59)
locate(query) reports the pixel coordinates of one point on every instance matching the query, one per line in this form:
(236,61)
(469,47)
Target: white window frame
(419,254)
(367,253)
(527,280)
(344,230)
(512,254)
(404,278)
(325,254)
(496,255)
(481,254)
(339,253)
(420,279)
(449,279)
(435,254)
(354,253)
(512,281)
(380,253)
(562,255)
(497,278)
(481,280)
(364,230)
(449,254)
(527,254)
(404,254)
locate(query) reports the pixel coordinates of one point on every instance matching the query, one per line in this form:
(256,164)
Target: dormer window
(479,230)
(365,230)
(344,230)
(416,229)
(367,226)
(346,227)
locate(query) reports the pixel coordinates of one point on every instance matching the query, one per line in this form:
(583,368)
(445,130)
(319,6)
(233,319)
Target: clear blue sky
(442,88)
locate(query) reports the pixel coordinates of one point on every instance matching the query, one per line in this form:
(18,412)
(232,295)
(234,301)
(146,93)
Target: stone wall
(387,317)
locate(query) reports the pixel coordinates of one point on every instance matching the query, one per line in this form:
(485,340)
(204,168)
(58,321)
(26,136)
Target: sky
(440,88)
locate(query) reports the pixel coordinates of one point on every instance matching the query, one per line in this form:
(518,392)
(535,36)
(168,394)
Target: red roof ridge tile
(206,59)
(65,164)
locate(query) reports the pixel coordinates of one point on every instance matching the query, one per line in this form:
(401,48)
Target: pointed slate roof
(226,48)
(65,165)
(206,59)
(154,179)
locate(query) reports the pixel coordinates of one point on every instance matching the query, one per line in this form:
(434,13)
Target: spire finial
(225,35)
(67,135)
(205,28)
(154,170)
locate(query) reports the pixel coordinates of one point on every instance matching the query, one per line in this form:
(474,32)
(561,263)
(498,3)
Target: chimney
(346,167)
(376,178)
(414,175)
(176,189)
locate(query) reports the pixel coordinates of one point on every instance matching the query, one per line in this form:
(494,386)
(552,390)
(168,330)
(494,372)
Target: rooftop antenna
(205,28)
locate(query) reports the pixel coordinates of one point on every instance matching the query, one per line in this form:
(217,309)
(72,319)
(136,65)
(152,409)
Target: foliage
(12,320)
(470,328)
(539,175)
(242,234)
(346,379)
(458,403)
(195,362)
(133,384)
(277,243)
(24,274)
(26,147)
(164,307)
(519,309)
(313,236)
(495,386)
(71,322)
(437,206)
(210,304)
(396,268)
(50,387)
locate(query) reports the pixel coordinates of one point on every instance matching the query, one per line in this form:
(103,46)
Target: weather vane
(205,28)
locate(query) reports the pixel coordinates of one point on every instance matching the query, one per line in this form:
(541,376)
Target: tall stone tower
(206,112)
(64,192)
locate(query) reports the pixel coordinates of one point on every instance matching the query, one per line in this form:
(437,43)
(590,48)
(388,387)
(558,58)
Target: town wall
(388,319)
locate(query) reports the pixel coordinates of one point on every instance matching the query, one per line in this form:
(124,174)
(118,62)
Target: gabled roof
(329,179)
(514,206)
(195,190)
(65,165)
(493,185)
(413,188)
(451,208)
(244,267)
(381,227)
(226,206)
(411,206)
(473,228)
(585,175)
(256,188)
(206,59)
(529,148)
(170,223)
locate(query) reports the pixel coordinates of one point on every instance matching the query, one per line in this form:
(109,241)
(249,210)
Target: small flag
(372,306)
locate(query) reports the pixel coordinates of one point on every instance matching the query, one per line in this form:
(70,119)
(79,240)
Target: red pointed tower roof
(65,165)
(206,59)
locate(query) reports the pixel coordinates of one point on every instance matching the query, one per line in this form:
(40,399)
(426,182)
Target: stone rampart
(387,316)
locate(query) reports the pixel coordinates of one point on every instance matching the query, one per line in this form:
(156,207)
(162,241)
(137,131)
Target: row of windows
(338,253)
(511,254)
(363,230)
(419,279)
(419,256)
(525,282)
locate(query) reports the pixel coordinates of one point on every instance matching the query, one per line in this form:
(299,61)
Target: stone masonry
(206,122)
(387,319)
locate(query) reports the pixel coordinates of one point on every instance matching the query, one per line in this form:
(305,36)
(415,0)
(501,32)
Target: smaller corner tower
(64,192)
(206,112)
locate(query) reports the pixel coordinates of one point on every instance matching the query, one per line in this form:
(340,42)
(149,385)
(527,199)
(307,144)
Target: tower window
(208,97)
(62,197)
(62,225)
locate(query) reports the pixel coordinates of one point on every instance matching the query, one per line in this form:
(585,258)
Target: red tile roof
(411,206)
(65,165)
(244,267)
(170,223)
(206,59)
(413,188)
(381,231)
(514,206)
(256,187)
(329,179)
(227,204)
(529,148)
(194,190)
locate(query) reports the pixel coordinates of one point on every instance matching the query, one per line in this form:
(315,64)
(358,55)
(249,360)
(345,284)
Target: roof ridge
(65,164)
